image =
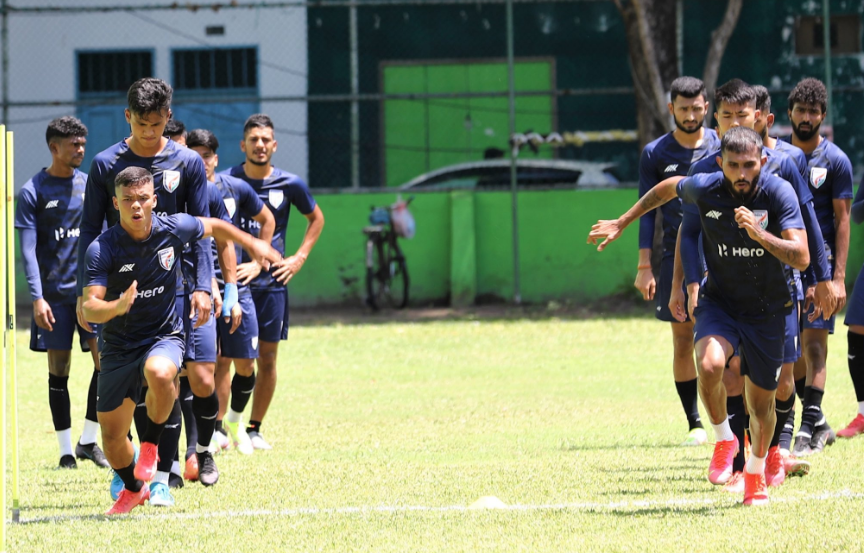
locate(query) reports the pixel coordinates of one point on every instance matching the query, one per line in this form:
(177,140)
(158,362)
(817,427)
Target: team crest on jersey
(275,197)
(761,217)
(230,206)
(818,175)
(166,258)
(170,180)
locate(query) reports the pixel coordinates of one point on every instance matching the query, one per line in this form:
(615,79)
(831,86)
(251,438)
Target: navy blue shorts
(65,323)
(243,344)
(855,305)
(272,309)
(792,343)
(122,370)
(760,343)
(664,292)
(201,341)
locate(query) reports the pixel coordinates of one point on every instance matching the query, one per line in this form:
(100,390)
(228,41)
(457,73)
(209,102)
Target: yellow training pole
(13,348)
(3,305)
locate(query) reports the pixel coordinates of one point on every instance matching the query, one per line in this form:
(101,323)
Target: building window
(112,72)
(215,69)
(845,35)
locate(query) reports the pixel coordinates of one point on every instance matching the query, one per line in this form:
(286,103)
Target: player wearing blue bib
(830,180)
(238,344)
(180,180)
(278,190)
(750,224)
(48,218)
(672,154)
(132,271)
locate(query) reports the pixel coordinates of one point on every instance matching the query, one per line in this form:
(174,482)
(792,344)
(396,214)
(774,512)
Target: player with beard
(748,221)
(672,154)
(830,180)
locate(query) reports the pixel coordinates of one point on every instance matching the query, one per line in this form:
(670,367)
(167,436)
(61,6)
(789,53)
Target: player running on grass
(748,221)
(672,154)
(130,288)
(278,190)
(239,346)
(48,217)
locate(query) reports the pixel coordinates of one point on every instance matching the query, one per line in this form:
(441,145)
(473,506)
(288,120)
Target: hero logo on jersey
(230,206)
(166,258)
(818,175)
(170,180)
(275,197)
(761,217)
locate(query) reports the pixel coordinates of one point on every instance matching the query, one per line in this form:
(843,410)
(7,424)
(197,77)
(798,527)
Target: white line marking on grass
(720,500)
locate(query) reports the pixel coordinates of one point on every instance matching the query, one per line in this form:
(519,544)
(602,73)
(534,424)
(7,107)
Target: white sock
(64,438)
(233,416)
(755,465)
(175,467)
(202,448)
(861,408)
(91,430)
(723,432)
(161,477)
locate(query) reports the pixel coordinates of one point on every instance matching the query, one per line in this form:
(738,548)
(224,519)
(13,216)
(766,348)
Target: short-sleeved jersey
(53,206)
(278,192)
(240,203)
(180,183)
(661,159)
(114,260)
(829,176)
(743,278)
(797,155)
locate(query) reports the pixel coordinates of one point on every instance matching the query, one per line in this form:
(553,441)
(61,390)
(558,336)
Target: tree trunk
(719,39)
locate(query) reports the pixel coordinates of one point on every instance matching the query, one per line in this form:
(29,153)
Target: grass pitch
(385,434)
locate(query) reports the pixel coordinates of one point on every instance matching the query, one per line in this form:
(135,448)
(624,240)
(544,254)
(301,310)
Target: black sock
(128,476)
(188,415)
(219,426)
(856,363)
(811,412)
(90,415)
(782,408)
(735,410)
(688,393)
(153,431)
(206,411)
(140,417)
(253,426)
(242,387)
(801,387)
(170,439)
(58,400)
(788,430)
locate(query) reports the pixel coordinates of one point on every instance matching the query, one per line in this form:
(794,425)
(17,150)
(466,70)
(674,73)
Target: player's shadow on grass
(671,510)
(585,445)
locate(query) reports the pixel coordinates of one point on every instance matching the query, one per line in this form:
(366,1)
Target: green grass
(385,433)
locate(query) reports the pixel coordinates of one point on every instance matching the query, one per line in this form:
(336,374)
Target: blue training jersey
(743,278)
(52,207)
(278,192)
(661,159)
(829,176)
(114,260)
(240,203)
(180,183)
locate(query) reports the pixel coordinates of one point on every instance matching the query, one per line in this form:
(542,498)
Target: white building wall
(43,66)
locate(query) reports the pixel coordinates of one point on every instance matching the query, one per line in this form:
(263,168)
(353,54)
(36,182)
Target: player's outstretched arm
(262,252)
(98,311)
(610,230)
(248,271)
(790,248)
(292,265)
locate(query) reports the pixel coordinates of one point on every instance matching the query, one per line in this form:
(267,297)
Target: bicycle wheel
(398,281)
(376,274)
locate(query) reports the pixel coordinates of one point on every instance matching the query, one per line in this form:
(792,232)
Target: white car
(495,173)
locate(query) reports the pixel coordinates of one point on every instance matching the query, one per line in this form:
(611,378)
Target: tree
(651,29)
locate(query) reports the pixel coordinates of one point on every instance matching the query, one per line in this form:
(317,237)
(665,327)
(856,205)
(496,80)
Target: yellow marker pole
(3,305)
(13,347)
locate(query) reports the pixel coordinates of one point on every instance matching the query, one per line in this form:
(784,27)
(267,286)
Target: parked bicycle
(387,279)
